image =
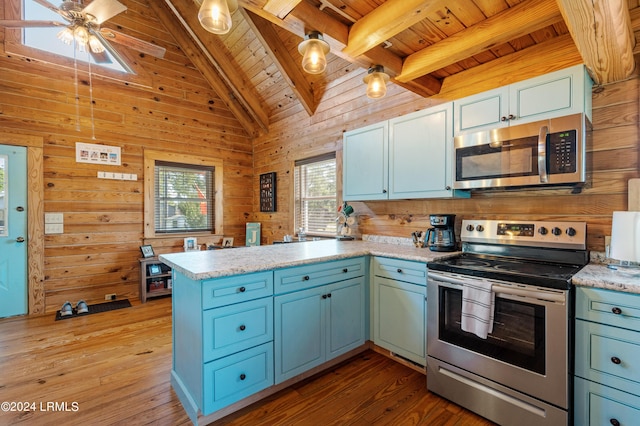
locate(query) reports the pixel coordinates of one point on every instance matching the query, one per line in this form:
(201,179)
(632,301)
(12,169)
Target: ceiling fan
(82,26)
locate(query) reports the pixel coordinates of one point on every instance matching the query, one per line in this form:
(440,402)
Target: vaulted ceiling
(421,43)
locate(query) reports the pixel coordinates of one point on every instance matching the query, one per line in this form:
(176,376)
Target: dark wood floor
(113,368)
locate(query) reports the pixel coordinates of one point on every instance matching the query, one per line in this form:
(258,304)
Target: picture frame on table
(155,270)
(227,242)
(191,244)
(147,251)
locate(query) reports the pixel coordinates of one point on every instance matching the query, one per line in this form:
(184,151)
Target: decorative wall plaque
(268,192)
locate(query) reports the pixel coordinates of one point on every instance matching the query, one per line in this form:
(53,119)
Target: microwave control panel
(562,152)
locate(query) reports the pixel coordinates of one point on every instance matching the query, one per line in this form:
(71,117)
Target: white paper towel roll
(625,236)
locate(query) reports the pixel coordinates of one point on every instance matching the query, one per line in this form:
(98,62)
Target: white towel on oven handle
(478,300)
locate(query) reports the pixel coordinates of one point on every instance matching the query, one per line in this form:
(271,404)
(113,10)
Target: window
(316,204)
(183,195)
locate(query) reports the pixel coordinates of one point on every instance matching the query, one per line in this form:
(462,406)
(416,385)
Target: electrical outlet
(111,296)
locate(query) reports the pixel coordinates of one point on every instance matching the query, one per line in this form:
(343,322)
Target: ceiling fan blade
(9,23)
(104,9)
(45,3)
(113,52)
(132,42)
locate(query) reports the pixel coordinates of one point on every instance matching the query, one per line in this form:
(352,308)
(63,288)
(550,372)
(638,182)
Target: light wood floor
(113,368)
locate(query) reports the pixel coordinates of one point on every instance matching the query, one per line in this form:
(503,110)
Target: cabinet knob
(384,191)
(306,278)
(345,270)
(399,271)
(243,327)
(448,188)
(242,289)
(616,310)
(511,117)
(616,360)
(329,295)
(243,376)
(324,296)
(503,118)
(614,422)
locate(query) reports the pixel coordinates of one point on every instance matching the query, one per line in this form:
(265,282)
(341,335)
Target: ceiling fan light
(95,44)
(376,81)
(81,35)
(215,16)
(65,35)
(313,49)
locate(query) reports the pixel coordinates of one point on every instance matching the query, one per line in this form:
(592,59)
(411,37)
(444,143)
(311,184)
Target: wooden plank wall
(614,157)
(103,219)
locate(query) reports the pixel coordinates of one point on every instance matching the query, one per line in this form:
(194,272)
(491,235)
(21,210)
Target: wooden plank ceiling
(420,43)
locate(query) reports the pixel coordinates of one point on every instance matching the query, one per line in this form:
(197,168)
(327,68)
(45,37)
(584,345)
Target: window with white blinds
(316,202)
(184,200)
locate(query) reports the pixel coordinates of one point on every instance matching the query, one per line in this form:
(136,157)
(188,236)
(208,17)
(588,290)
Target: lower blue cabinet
(237,376)
(597,404)
(316,325)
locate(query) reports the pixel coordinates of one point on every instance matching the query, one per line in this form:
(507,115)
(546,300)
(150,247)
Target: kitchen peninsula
(248,322)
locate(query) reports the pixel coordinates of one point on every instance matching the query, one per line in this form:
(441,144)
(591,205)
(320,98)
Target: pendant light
(376,80)
(215,15)
(313,50)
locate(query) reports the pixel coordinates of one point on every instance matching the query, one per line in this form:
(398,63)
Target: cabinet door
(299,332)
(346,317)
(482,111)
(597,405)
(400,318)
(365,163)
(420,150)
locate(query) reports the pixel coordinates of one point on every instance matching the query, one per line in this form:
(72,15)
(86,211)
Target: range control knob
(479,228)
(556,231)
(470,228)
(571,232)
(542,230)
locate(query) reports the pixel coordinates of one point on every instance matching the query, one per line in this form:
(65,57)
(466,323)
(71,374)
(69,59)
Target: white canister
(625,236)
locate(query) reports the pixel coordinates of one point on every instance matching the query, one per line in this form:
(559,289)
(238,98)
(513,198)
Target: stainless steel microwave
(548,152)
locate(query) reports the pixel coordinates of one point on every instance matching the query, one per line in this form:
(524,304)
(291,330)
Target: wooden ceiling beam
(601,29)
(387,20)
(503,27)
(201,59)
(280,8)
(219,59)
(289,68)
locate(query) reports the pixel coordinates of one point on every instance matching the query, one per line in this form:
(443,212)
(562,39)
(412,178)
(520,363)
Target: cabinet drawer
(301,277)
(400,270)
(608,355)
(236,327)
(233,378)
(608,307)
(596,405)
(239,288)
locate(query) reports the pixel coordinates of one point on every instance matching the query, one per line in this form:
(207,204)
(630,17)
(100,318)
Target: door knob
(20,240)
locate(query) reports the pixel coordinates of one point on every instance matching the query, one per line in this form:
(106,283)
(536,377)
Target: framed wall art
(268,192)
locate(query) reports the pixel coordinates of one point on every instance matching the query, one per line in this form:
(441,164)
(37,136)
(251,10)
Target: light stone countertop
(599,275)
(200,265)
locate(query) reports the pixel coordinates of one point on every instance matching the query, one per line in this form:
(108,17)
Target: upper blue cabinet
(404,158)
(556,94)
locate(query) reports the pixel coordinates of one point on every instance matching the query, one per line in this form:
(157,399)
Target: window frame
(310,160)
(150,158)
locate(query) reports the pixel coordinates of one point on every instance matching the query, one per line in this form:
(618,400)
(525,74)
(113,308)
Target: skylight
(46,38)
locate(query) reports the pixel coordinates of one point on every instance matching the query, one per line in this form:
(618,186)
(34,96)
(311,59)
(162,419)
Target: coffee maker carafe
(441,237)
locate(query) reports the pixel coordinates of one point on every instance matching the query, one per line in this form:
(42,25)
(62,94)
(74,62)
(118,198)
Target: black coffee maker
(442,236)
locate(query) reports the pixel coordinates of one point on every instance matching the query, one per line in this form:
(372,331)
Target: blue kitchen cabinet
(319,319)
(408,157)
(222,340)
(607,373)
(559,93)
(400,307)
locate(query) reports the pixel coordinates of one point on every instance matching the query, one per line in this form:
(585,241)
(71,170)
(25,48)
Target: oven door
(528,348)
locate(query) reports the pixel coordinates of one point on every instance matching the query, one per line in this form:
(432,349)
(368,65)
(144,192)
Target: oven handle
(499,289)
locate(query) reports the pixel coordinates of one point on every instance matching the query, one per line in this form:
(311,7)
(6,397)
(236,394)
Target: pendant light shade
(376,81)
(215,15)
(313,50)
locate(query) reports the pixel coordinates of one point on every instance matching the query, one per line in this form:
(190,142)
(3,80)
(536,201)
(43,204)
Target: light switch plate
(53,228)
(53,218)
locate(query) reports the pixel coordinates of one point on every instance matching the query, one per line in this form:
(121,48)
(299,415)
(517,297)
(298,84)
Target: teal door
(13,231)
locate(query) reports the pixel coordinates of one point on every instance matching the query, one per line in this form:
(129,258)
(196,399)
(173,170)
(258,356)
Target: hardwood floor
(113,368)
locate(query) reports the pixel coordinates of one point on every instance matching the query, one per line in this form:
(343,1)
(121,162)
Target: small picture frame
(147,251)
(227,242)
(155,270)
(191,244)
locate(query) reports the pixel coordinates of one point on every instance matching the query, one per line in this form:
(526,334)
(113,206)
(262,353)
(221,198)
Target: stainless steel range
(511,290)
